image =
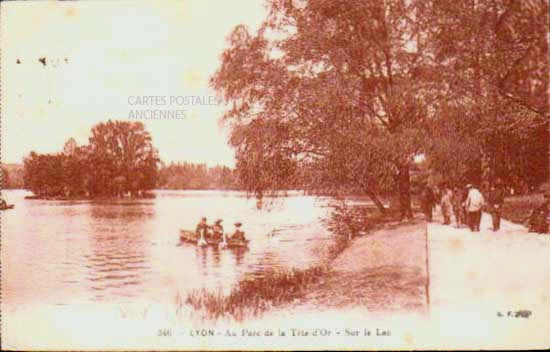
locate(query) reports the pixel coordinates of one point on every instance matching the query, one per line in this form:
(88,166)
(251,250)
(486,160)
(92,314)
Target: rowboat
(11,206)
(192,237)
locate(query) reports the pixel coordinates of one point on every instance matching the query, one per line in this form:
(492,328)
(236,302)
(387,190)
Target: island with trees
(119,160)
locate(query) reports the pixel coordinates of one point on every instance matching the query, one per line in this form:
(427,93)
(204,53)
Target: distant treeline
(196,176)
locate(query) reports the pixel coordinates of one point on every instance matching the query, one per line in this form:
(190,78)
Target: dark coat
(538,219)
(496,196)
(427,198)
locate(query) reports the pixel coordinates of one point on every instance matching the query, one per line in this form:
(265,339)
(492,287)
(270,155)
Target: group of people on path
(215,232)
(467,204)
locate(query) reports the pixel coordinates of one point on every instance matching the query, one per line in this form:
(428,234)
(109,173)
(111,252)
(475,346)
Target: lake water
(69,253)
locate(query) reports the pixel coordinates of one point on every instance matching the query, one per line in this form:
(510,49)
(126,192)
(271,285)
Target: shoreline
(384,270)
(59,198)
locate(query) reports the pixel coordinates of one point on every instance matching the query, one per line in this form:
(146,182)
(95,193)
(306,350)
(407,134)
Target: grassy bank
(517,208)
(253,296)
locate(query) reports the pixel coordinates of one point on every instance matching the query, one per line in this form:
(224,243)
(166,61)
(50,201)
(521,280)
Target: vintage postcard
(275,175)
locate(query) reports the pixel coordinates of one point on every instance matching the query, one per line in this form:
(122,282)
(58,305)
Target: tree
(70,147)
(44,174)
(76,170)
(340,85)
(494,57)
(122,150)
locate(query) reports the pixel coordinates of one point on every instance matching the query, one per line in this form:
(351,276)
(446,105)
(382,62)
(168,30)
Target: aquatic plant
(252,296)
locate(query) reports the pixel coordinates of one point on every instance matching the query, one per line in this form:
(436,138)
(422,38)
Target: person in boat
(217,230)
(238,234)
(202,228)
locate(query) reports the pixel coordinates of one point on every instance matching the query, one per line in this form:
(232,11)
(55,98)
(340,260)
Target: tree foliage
(340,95)
(119,160)
(494,56)
(336,87)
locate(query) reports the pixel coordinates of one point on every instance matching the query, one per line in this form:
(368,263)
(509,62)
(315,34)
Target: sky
(103,58)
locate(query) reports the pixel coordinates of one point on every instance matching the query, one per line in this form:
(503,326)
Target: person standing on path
(436,192)
(496,200)
(539,218)
(458,209)
(446,204)
(474,203)
(428,201)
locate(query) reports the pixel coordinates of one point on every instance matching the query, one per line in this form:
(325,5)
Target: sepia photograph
(274,175)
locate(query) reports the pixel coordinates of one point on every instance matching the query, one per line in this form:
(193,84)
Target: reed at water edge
(250,297)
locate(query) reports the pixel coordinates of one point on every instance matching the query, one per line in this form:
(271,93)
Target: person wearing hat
(539,218)
(474,204)
(202,229)
(217,230)
(496,200)
(238,234)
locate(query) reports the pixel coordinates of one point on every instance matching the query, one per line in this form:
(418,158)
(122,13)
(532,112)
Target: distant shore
(148,195)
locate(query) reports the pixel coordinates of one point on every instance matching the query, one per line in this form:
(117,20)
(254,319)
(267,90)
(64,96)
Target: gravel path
(435,287)
(487,282)
(384,271)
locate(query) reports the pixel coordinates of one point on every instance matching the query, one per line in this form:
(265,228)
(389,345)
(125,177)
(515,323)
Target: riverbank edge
(315,286)
(390,261)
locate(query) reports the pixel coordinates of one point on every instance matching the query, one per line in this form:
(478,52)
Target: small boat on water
(6,207)
(192,237)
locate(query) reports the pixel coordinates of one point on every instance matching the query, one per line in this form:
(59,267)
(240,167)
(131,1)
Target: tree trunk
(486,171)
(404,184)
(374,197)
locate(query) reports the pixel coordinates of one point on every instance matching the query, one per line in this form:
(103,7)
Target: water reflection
(202,255)
(216,257)
(238,254)
(119,254)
